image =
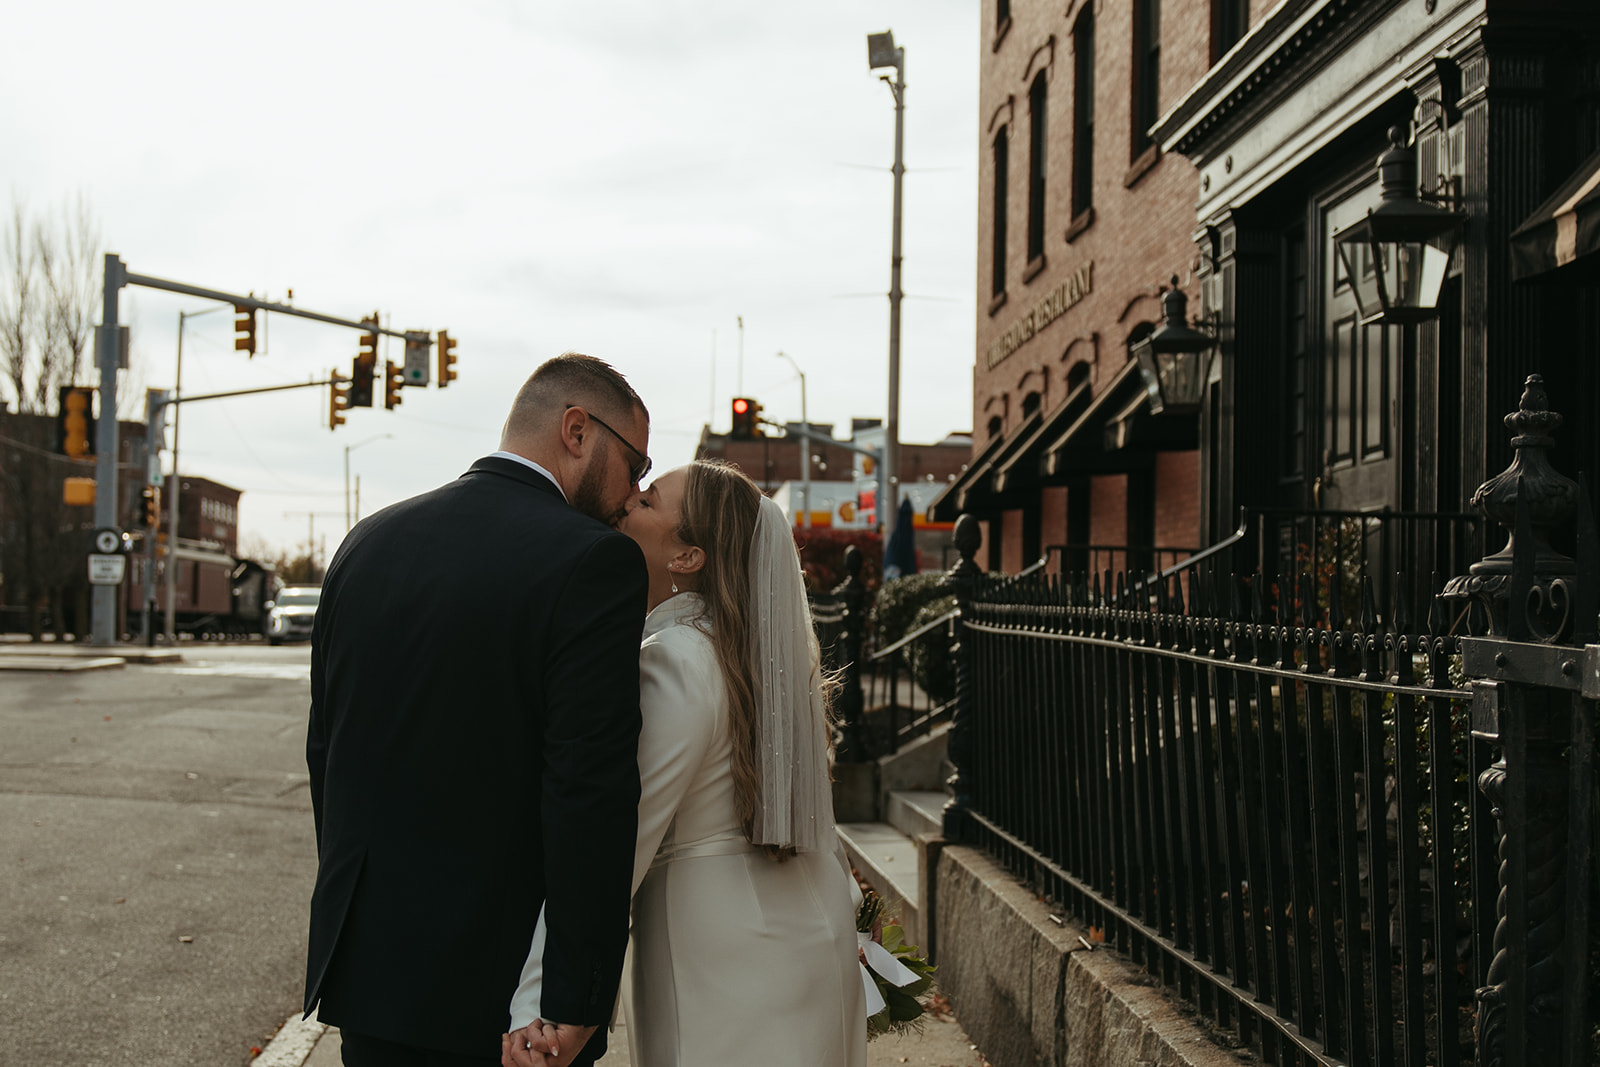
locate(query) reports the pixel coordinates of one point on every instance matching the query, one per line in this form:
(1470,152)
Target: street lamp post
(347,450)
(881,53)
(805,445)
(170,621)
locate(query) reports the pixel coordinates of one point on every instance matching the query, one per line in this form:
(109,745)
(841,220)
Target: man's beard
(589,497)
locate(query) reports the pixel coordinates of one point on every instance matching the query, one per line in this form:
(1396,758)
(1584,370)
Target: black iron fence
(1345,832)
(1267,808)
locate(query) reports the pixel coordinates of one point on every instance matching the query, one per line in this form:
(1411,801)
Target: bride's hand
(534,1045)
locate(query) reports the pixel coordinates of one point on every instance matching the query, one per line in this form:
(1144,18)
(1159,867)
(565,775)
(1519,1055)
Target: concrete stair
(893,856)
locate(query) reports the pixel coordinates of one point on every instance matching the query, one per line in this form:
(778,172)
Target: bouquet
(892,973)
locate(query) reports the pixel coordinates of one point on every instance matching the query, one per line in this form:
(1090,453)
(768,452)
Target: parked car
(291,612)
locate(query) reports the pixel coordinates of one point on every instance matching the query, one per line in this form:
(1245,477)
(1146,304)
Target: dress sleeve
(678,705)
(678,700)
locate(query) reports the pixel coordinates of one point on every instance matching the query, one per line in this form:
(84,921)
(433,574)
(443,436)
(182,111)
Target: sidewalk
(78,656)
(942,1043)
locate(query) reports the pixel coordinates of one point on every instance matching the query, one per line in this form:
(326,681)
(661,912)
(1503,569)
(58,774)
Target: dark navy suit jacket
(473,755)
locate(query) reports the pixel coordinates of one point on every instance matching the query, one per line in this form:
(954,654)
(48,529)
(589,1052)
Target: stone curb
(1027,991)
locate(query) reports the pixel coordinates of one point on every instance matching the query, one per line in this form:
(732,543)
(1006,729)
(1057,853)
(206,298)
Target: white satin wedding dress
(735,958)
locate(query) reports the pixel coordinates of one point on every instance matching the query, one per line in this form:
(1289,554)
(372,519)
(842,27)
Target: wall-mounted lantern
(1175,358)
(1397,257)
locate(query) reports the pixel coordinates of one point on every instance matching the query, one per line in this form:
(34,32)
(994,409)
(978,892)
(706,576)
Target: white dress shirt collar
(526,462)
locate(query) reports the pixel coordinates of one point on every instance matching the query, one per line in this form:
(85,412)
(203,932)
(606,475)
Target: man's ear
(688,561)
(574,428)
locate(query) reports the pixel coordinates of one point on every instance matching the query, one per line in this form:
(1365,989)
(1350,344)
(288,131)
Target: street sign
(107,570)
(417,360)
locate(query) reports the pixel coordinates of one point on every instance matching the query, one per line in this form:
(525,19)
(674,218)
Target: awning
(973,490)
(1021,466)
(948,505)
(1116,430)
(1564,229)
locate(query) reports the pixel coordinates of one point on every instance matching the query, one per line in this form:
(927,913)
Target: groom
(473,738)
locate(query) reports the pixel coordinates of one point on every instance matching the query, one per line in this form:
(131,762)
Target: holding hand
(542,1044)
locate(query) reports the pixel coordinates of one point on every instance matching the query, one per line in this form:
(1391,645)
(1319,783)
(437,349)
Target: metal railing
(1263,807)
(1342,833)
(909,685)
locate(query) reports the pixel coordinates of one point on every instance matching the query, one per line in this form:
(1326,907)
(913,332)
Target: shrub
(932,666)
(822,557)
(898,602)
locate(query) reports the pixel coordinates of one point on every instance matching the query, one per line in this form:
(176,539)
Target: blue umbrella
(900,555)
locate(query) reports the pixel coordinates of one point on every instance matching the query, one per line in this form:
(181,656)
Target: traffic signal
(244,327)
(394,379)
(338,399)
(365,366)
(447,359)
(75,421)
(746,419)
(151,496)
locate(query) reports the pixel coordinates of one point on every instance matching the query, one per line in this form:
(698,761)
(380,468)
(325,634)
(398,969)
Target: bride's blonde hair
(719,509)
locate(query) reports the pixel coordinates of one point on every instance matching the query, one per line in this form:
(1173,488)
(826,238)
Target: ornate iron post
(962,580)
(1532,701)
(852,592)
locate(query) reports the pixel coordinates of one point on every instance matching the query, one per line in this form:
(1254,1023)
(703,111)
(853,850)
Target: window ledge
(1083,221)
(997,303)
(1031,271)
(1000,34)
(1142,166)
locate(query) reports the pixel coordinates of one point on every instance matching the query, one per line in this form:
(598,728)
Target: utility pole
(882,53)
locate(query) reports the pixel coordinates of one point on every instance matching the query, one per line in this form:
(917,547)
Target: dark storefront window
(1083,113)
(1146,72)
(1037,140)
(1000,179)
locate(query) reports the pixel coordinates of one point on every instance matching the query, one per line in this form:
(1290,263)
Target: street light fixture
(805,446)
(1175,358)
(347,450)
(881,54)
(1397,257)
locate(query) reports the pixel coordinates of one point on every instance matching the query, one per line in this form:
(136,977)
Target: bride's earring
(674,582)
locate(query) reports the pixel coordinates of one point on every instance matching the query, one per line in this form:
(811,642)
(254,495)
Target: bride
(743,944)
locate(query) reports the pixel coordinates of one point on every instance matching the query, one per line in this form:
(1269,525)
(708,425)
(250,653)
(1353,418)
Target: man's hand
(542,1044)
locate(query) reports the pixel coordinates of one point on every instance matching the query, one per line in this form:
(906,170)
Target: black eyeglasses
(640,467)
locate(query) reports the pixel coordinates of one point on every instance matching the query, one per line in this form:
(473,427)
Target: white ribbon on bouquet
(882,961)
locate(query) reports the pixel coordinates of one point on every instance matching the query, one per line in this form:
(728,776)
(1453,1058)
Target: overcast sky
(621,179)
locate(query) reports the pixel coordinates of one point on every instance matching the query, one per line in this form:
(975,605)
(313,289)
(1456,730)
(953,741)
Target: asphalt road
(156,838)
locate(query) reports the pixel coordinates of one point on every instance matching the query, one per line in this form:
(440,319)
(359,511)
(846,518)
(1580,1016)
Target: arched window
(1030,404)
(1038,121)
(996,424)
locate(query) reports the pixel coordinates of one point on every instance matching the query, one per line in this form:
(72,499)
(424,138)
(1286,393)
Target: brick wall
(1140,234)
(1053,523)
(1178,499)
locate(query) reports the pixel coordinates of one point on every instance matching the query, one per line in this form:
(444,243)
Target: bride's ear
(688,561)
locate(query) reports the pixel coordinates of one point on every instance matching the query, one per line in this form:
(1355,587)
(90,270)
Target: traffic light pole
(876,455)
(103,602)
(103,598)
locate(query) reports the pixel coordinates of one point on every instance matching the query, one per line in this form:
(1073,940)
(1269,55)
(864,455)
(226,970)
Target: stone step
(885,858)
(914,812)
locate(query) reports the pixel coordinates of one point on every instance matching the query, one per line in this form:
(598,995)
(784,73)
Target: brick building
(1082,218)
(773,460)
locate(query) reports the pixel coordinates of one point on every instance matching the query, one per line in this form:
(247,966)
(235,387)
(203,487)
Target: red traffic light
(746,419)
(740,406)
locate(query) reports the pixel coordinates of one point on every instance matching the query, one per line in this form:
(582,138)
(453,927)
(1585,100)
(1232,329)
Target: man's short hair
(570,378)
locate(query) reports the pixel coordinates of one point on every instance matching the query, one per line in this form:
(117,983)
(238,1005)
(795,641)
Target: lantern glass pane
(1356,268)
